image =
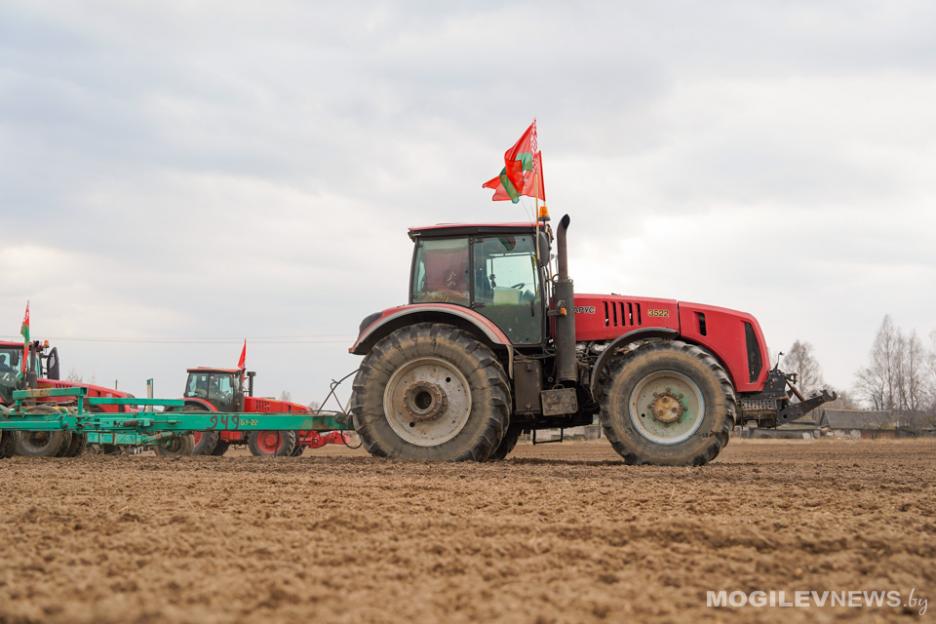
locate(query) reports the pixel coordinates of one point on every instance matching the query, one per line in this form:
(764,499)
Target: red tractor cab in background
(222,390)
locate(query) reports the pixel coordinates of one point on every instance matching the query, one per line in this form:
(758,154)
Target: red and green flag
(523,170)
(24,330)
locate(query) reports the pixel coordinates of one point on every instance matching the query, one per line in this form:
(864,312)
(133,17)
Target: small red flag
(242,361)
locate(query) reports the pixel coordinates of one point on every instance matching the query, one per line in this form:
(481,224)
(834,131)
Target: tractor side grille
(622,314)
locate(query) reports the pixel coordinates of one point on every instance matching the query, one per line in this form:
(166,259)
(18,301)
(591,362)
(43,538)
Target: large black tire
(7,444)
(177,446)
(77,446)
(271,443)
(42,443)
(507,444)
(666,402)
(220,448)
(431,391)
(205,442)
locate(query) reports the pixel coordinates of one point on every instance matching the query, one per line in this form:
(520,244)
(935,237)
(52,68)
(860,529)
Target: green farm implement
(157,424)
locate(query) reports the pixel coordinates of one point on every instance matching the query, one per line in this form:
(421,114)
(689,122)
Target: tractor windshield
(219,389)
(507,286)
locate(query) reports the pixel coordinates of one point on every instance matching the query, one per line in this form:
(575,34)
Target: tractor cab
(222,387)
(497,270)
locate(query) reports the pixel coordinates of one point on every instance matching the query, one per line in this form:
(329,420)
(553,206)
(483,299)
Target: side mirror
(543,249)
(52,365)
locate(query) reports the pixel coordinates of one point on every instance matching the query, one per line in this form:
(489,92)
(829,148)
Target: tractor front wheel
(666,402)
(272,443)
(431,391)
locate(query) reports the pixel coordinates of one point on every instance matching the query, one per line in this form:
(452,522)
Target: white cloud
(214,170)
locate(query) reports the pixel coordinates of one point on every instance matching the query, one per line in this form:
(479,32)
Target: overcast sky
(175,175)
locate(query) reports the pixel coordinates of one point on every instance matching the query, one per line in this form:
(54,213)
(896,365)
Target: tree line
(900,375)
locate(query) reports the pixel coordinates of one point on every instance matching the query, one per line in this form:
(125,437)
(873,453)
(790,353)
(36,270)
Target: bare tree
(800,359)
(912,373)
(285,396)
(897,378)
(74,375)
(877,382)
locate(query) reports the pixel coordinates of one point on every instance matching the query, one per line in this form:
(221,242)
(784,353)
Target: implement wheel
(7,444)
(667,402)
(205,442)
(42,443)
(77,446)
(220,448)
(176,446)
(272,443)
(431,391)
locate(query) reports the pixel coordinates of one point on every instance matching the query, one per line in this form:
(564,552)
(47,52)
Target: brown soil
(557,533)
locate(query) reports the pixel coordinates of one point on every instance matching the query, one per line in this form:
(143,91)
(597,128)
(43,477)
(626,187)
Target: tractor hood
(736,336)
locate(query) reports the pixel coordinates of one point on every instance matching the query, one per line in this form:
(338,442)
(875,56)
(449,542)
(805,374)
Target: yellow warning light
(543,213)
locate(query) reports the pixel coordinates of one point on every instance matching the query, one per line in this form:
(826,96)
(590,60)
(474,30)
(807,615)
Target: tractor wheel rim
(269,442)
(666,407)
(427,401)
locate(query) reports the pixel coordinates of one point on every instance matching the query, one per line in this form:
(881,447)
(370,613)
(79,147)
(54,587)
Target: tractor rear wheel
(176,446)
(431,391)
(271,443)
(667,402)
(507,444)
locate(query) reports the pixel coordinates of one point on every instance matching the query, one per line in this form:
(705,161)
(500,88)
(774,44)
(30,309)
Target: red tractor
(221,390)
(493,343)
(43,371)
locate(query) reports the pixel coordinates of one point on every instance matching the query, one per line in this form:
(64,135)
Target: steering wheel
(519,285)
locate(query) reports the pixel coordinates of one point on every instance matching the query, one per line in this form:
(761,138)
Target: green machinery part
(148,427)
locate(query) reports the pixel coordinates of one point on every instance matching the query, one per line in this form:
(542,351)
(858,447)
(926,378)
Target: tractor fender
(620,341)
(465,318)
(208,407)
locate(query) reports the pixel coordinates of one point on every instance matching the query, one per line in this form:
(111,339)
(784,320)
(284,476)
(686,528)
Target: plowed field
(557,533)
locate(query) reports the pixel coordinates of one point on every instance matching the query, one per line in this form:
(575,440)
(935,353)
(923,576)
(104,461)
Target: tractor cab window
(507,286)
(440,271)
(10,360)
(219,389)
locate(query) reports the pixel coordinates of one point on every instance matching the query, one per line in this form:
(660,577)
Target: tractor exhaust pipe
(564,311)
(250,382)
